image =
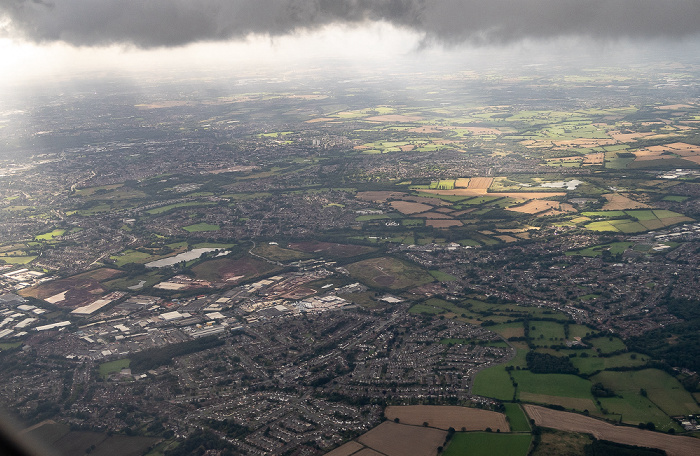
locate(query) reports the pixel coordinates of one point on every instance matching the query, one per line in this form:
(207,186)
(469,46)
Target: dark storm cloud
(151,23)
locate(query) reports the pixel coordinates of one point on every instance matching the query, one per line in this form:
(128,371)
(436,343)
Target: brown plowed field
(565,421)
(537,206)
(480,182)
(406,207)
(462,182)
(619,202)
(401,440)
(445,417)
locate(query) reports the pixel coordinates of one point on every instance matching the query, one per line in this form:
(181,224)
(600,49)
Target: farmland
(445,417)
(487,444)
(401,440)
(673,445)
(660,388)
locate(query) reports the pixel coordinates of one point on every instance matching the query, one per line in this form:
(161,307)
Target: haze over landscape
(350,227)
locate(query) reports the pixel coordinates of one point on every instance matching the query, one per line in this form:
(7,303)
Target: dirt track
(565,421)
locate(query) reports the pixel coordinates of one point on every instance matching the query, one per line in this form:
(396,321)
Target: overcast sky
(64,37)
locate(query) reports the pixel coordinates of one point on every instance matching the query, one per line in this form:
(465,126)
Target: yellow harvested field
(627,137)
(428,129)
(395,118)
(480,182)
(379,197)
(321,119)
(689,152)
(537,206)
(458,191)
(442,223)
(619,202)
(567,402)
(572,422)
(482,191)
(407,147)
(394,439)
(462,182)
(346,450)
(506,238)
(679,146)
(445,417)
(434,215)
(406,207)
(676,106)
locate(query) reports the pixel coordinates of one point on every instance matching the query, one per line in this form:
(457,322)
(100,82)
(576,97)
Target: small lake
(186,256)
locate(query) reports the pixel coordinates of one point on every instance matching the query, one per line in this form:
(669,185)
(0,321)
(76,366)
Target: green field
(546,333)
(442,276)
(488,444)
(18,259)
(169,207)
(131,256)
(8,345)
(607,344)
(615,248)
(516,418)
(494,382)
(675,198)
(662,389)
(201,227)
(509,329)
(635,221)
(563,385)
(49,236)
(113,366)
(592,364)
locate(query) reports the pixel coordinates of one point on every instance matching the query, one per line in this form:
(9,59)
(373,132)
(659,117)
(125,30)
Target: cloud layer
(167,23)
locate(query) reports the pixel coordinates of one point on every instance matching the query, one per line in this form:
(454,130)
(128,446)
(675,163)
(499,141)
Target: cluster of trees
(599,390)
(685,351)
(544,363)
(155,357)
(607,448)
